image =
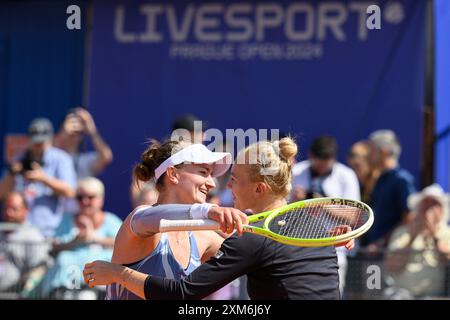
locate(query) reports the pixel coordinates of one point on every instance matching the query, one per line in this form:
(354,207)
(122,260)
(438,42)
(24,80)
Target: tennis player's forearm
(133,281)
(188,288)
(157,288)
(238,256)
(207,278)
(145,221)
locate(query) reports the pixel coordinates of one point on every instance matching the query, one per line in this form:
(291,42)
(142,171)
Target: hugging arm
(145,220)
(236,257)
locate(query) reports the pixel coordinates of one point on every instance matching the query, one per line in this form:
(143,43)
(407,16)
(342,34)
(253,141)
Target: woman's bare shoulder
(129,247)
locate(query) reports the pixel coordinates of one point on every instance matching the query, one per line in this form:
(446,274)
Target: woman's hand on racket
(339,230)
(99,273)
(230,219)
(349,245)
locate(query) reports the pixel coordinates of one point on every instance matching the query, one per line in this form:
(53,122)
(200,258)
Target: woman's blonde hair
(92,185)
(271,163)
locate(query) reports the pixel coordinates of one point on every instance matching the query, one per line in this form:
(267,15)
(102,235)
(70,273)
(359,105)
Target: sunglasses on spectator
(83,196)
(15,209)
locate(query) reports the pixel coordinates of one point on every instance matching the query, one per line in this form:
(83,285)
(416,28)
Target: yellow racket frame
(320,242)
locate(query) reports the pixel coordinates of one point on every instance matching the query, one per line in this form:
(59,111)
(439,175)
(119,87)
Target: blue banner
(41,65)
(304,67)
(442,70)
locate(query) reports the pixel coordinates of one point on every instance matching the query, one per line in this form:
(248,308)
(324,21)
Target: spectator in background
(148,195)
(88,235)
(22,246)
(418,252)
(358,160)
(323,176)
(45,175)
(190,127)
(77,124)
(391,191)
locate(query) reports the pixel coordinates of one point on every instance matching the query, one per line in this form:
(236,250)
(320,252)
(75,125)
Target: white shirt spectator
(342,182)
(84,163)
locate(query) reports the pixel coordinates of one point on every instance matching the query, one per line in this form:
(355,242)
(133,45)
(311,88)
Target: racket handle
(187,225)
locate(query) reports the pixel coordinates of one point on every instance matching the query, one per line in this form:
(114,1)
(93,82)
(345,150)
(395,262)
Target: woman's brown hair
(153,156)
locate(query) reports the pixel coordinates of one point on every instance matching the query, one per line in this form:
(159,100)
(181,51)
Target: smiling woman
(183,174)
(261,180)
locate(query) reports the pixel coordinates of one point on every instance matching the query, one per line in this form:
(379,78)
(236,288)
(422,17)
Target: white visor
(197,153)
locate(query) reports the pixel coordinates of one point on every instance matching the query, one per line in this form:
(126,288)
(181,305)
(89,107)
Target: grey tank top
(162,263)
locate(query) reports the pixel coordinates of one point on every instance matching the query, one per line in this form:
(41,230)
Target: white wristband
(200,210)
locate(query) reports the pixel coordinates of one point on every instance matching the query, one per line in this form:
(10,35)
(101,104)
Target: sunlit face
(430,208)
(14,209)
(73,125)
(243,190)
(194,183)
(89,202)
(74,128)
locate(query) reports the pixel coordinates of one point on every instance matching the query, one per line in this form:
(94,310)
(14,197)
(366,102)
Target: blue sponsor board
(304,67)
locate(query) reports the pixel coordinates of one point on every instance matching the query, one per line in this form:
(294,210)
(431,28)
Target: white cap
(433,191)
(197,153)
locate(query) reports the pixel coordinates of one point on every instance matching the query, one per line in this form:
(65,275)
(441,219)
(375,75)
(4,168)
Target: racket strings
(320,220)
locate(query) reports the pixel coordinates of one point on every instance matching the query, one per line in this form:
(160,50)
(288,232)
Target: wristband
(200,210)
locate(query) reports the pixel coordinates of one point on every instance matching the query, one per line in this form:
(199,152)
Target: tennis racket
(310,223)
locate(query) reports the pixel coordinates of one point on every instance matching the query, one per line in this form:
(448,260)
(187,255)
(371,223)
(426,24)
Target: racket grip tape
(184,225)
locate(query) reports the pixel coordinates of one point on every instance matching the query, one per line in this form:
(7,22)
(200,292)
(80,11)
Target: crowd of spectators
(53,221)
